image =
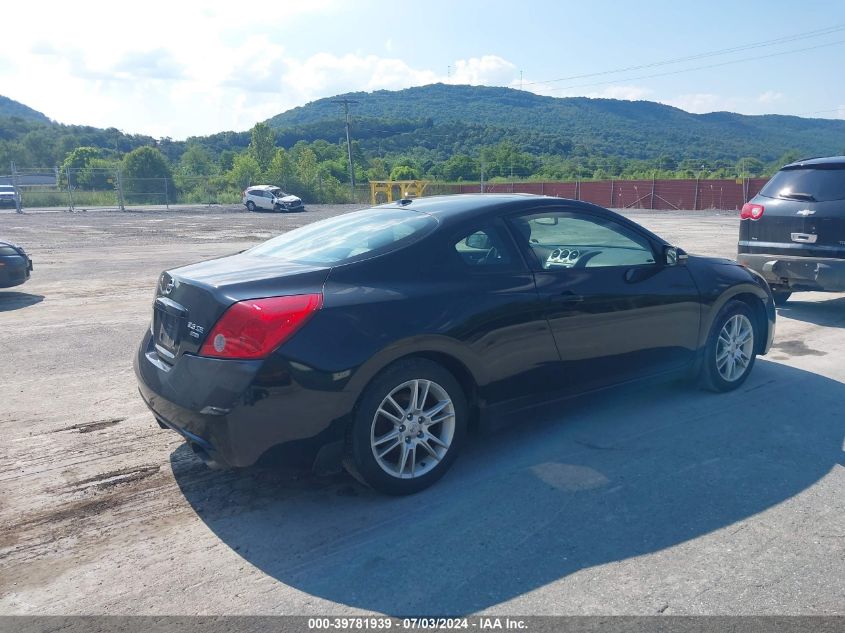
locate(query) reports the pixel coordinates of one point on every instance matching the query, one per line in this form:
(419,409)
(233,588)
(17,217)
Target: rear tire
(781,296)
(731,348)
(250,205)
(401,443)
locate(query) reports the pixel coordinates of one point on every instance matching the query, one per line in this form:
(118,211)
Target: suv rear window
(820,183)
(349,237)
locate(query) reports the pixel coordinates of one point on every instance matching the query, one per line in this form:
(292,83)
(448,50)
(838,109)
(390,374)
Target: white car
(270,198)
(10,197)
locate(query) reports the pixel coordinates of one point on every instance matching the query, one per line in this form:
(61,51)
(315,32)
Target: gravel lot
(659,499)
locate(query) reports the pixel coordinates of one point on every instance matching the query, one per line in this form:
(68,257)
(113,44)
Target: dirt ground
(660,499)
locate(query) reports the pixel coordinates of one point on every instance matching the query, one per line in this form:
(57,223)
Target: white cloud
(625,93)
(703,102)
(770,96)
(699,102)
(490,70)
(174,88)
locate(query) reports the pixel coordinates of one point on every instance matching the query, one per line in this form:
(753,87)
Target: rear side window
(349,237)
(811,184)
(485,249)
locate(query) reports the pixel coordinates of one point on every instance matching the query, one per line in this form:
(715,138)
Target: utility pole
(346,103)
(18,201)
(69,189)
(119,186)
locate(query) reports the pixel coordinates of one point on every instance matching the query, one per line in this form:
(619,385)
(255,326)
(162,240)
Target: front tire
(408,429)
(731,348)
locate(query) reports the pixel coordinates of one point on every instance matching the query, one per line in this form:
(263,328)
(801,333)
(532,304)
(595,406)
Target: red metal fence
(639,194)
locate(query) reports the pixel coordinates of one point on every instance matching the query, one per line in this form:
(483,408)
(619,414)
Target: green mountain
(454,132)
(462,118)
(12,108)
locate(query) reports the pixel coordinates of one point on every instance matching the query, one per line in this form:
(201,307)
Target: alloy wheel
(734,347)
(413,429)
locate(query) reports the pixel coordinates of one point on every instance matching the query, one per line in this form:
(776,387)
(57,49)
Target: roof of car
(818,160)
(263,187)
(468,205)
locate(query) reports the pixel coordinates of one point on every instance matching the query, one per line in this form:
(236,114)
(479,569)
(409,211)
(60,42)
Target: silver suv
(270,198)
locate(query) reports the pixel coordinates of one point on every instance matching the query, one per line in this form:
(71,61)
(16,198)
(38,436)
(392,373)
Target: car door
(266,200)
(617,312)
(500,316)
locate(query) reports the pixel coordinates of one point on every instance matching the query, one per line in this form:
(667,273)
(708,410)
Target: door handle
(568,297)
(805,238)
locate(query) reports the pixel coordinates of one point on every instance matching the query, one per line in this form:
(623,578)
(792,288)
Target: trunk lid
(804,213)
(189,300)
(794,227)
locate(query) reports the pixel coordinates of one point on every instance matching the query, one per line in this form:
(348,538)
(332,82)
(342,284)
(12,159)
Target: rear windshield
(353,236)
(811,184)
(7,189)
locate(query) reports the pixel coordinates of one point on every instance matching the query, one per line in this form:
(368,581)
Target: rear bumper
(14,271)
(798,273)
(230,411)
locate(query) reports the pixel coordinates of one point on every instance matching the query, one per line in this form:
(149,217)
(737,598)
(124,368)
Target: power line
(839,109)
(677,60)
(694,68)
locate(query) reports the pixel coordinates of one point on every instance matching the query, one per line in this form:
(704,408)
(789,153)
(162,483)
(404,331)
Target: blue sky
(175,69)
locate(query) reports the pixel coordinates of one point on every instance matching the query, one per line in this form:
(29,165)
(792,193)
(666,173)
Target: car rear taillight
(751,211)
(254,328)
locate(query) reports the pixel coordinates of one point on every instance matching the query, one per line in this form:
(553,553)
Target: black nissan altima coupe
(376,338)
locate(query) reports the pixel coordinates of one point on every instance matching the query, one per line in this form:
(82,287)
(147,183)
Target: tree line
(220,166)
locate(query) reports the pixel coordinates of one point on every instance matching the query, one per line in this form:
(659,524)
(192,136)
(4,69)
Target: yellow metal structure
(382,191)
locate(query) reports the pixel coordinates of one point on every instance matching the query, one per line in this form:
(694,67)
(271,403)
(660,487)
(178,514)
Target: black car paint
(15,265)
(503,334)
(767,246)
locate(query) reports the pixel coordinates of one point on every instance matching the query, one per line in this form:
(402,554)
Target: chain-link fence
(109,188)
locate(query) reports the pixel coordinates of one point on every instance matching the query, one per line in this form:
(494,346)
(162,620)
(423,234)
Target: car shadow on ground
(16,300)
(594,480)
(828,312)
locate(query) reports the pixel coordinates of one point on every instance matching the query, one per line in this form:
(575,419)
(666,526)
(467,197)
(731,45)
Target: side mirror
(674,256)
(478,240)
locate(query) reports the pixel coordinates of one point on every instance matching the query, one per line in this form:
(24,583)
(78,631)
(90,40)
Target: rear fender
(424,345)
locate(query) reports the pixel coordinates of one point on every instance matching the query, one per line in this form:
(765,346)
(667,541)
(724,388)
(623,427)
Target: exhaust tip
(207,459)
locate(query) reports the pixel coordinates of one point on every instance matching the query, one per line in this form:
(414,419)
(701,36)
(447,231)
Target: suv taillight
(751,211)
(254,328)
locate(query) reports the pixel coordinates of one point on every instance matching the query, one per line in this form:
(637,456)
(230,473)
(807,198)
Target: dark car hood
(706,259)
